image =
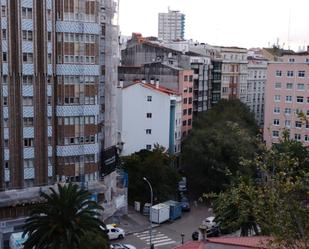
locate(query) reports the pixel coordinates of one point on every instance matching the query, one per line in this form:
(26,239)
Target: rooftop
(159,88)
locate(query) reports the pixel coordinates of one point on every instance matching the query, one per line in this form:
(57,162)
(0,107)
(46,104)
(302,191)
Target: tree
(219,140)
(93,240)
(278,203)
(63,218)
(157,167)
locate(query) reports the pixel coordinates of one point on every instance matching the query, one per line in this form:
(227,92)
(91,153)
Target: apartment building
(54,91)
(171,25)
(234,73)
(287,98)
(149,114)
(175,78)
(257,71)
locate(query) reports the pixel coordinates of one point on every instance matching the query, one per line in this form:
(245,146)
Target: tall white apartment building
(171,26)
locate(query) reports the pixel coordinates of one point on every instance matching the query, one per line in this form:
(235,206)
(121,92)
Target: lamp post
(151,198)
(182,237)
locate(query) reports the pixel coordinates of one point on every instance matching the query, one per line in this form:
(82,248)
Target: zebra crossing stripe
(153,236)
(158,238)
(159,241)
(145,232)
(166,243)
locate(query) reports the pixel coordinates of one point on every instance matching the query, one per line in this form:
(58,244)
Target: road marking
(147,236)
(159,241)
(145,232)
(158,238)
(166,243)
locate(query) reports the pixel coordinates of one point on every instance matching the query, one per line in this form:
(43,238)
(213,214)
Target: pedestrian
(195,203)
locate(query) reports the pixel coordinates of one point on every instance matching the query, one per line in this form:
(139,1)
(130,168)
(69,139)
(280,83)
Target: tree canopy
(219,140)
(157,166)
(64,217)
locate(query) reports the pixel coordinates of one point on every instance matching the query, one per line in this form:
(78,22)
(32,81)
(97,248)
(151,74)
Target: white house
(149,114)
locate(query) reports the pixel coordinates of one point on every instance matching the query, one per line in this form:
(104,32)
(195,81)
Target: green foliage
(93,240)
(220,139)
(279,203)
(157,167)
(64,217)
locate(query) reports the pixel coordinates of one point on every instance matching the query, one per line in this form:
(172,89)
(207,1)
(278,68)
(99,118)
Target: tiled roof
(251,242)
(153,86)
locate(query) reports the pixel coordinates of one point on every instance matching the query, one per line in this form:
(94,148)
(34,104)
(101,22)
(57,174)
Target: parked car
(212,232)
(122,246)
(185,204)
(209,222)
(114,232)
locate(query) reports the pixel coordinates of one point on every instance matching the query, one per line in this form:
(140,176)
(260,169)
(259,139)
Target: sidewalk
(133,222)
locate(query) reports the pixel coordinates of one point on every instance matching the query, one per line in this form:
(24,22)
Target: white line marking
(166,243)
(159,241)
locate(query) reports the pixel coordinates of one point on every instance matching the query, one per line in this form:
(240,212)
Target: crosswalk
(158,238)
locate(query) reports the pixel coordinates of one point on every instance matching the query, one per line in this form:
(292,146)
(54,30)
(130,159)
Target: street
(168,234)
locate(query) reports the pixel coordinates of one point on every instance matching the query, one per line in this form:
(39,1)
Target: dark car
(212,232)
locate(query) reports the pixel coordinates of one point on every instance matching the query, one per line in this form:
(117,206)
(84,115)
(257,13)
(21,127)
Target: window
(297,137)
(307,99)
(276,122)
(275,133)
(190,78)
(185,78)
(28,121)
(27,101)
(298,124)
(289,86)
(5,101)
(287,123)
(190,100)
(28,163)
(4,57)
(4,34)
(301,74)
(149,115)
(148,146)
(28,142)
(190,111)
(185,100)
(278,85)
(277,110)
(148,131)
(290,73)
(184,123)
(307,124)
(288,111)
(277,98)
(3,11)
(28,57)
(149,98)
(5,122)
(306,138)
(26,13)
(300,99)
(278,73)
(189,121)
(27,79)
(288,98)
(184,112)
(300,86)
(291,60)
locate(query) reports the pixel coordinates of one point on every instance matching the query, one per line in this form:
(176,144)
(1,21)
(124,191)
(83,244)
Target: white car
(114,232)
(122,246)
(209,222)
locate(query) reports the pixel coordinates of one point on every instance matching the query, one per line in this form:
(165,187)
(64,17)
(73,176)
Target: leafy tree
(63,218)
(93,240)
(219,140)
(279,203)
(157,167)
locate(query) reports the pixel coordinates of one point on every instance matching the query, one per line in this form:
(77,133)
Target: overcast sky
(246,23)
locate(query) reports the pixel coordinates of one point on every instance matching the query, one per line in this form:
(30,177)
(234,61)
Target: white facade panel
(27,47)
(49,47)
(28,111)
(49,90)
(50,151)
(49,111)
(78,27)
(77,150)
(6,154)
(50,171)
(3,2)
(6,133)
(5,68)
(5,112)
(28,173)
(49,4)
(49,69)
(27,3)
(27,24)
(28,69)
(5,91)
(134,121)
(49,26)
(27,90)
(87,110)
(4,46)
(28,132)
(29,153)
(4,22)
(7,175)
(50,131)
(69,69)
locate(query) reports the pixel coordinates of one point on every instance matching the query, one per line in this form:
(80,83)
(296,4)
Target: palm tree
(63,219)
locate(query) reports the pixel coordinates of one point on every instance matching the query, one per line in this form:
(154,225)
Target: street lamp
(151,198)
(182,237)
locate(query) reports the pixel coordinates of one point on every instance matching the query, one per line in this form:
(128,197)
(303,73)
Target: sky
(244,23)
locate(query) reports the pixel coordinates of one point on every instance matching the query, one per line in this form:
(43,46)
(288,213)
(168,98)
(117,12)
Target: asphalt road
(168,234)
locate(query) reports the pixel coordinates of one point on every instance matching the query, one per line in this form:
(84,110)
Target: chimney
(143,81)
(152,82)
(157,83)
(120,85)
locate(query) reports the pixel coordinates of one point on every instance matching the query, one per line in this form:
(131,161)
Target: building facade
(57,111)
(287,98)
(257,71)
(149,114)
(171,26)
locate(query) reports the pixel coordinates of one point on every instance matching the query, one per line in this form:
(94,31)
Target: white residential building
(149,114)
(171,26)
